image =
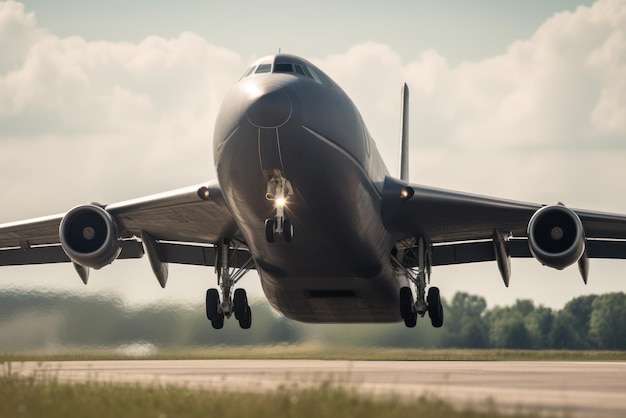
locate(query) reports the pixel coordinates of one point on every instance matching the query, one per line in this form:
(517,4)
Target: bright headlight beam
(280,201)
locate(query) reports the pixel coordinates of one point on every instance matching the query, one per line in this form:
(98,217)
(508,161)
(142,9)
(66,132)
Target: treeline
(585,322)
(40,320)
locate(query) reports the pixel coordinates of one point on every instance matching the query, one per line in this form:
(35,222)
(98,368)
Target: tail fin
(404,147)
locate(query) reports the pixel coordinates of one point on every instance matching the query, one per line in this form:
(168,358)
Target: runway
(577,389)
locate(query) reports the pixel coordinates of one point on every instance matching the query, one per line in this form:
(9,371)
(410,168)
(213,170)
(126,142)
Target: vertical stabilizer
(404,126)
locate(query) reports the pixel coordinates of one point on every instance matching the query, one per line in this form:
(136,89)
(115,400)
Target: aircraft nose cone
(270,110)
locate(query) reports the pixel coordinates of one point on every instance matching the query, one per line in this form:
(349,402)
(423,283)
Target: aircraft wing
(461,226)
(184,224)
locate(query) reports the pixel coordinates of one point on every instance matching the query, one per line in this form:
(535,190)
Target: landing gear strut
(419,275)
(278,190)
(227,276)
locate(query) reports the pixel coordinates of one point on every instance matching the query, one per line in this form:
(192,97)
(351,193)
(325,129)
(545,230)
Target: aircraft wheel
(406,307)
(288,230)
(212,304)
(270,234)
(219,322)
(411,321)
(439,322)
(435,308)
(406,302)
(240,300)
(246,323)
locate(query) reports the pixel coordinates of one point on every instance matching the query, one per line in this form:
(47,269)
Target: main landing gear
(278,190)
(227,276)
(410,308)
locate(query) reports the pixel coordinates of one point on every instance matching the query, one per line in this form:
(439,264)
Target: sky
(108,101)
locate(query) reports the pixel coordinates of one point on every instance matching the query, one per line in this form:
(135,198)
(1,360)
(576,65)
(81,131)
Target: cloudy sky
(106,101)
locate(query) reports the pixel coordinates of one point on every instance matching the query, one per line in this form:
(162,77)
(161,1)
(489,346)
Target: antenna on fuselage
(404,132)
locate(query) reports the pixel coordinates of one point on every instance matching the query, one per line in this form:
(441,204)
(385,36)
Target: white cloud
(551,107)
(18,32)
(109,117)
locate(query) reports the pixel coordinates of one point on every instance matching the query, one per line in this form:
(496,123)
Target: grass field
(45,396)
(48,398)
(312,351)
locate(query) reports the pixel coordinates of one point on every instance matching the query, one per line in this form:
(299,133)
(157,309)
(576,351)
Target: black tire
(406,302)
(212,304)
(411,321)
(434,301)
(439,322)
(246,322)
(240,302)
(218,323)
(435,308)
(270,235)
(288,230)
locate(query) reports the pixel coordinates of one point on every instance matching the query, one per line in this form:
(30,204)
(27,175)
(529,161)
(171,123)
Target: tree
(466,325)
(564,335)
(507,326)
(607,325)
(509,331)
(524,307)
(580,309)
(539,324)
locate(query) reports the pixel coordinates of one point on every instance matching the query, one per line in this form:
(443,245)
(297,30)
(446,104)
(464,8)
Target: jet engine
(90,236)
(556,236)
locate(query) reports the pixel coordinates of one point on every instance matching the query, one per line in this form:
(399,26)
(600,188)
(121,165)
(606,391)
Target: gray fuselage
(287,115)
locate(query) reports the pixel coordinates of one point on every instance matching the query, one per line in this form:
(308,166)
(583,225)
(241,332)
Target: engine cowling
(90,236)
(556,236)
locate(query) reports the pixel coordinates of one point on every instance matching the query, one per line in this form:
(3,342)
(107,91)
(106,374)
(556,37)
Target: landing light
(406,193)
(280,202)
(203,193)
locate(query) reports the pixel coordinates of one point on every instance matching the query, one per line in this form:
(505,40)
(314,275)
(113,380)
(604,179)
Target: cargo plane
(303,197)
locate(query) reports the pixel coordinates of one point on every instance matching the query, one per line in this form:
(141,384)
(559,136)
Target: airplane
(303,197)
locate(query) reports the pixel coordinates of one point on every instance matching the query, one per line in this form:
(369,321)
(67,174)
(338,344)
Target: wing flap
(597,248)
(479,251)
(475,252)
(50,254)
(199,255)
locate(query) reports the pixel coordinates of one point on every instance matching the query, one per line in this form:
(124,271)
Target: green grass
(45,396)
(313,351)
(33,397)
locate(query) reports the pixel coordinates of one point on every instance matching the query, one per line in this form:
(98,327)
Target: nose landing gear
(278,190)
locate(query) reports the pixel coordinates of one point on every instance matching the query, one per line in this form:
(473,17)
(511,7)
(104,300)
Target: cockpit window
(300,69)
(283,68)
(306,71)
(263,68)
(311,73)
(250,71)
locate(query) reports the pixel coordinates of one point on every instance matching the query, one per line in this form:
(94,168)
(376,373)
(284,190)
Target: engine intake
(90,236)
(556,236)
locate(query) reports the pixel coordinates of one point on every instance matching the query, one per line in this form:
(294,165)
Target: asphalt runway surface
(576,389)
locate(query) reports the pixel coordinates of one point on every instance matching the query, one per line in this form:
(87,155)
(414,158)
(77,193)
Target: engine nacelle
(90,236)
(556,236)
